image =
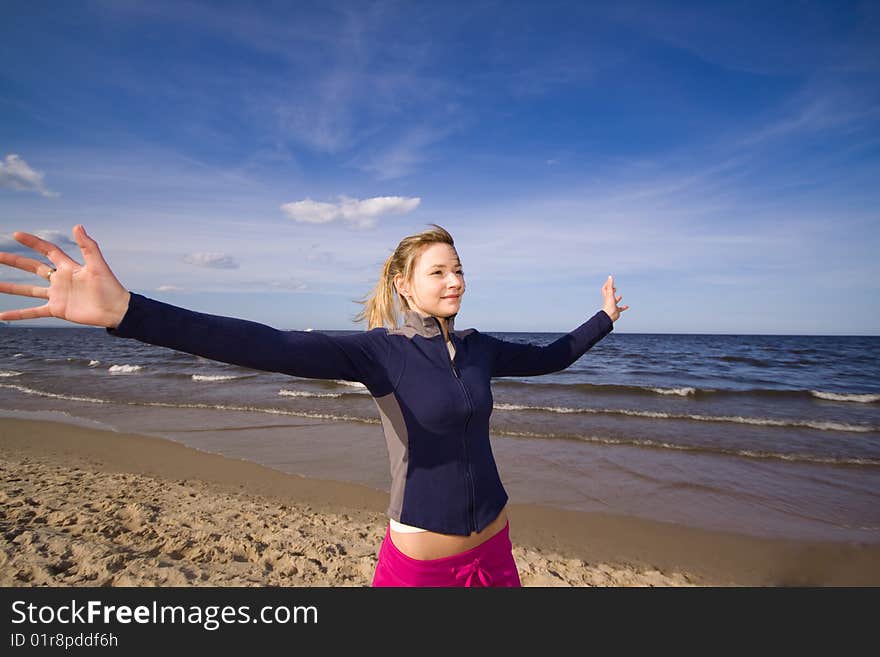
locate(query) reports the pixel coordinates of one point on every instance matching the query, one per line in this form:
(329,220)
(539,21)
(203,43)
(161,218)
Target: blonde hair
(383,305)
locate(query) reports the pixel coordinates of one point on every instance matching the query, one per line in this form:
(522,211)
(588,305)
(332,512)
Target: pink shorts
(489,564)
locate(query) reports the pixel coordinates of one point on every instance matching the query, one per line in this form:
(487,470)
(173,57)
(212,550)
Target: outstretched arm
(91,294)
(515,359)
(311,354)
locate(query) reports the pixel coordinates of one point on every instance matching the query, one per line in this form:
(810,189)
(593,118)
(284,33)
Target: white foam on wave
(736,419)
(303,393)
(124,369)
(846,397)
(269,411)
(17,355)
(682,392)
(8,373)
(216,407)
(213,377)
(53,395)
(550,409)
(94,363)
(352,384)
(602,440)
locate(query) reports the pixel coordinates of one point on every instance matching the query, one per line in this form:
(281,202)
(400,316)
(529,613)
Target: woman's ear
(398,285)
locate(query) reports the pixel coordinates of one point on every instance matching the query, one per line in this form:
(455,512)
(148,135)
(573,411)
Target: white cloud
(274,285)
(289,285)
(16,174)
(169,288)
(360,213)
(212,260)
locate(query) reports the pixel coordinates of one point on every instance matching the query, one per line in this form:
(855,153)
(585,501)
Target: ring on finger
(49,274)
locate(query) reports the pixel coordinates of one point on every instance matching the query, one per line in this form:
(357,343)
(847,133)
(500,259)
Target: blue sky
(261,160)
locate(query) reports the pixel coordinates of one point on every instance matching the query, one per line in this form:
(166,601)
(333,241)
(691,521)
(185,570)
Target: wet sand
(82,506)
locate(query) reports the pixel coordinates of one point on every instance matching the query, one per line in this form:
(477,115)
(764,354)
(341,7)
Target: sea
(765,435)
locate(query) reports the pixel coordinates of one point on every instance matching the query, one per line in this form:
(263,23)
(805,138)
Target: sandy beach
(86,507)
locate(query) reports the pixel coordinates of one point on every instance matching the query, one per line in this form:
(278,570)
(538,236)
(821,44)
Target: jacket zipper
(467,470)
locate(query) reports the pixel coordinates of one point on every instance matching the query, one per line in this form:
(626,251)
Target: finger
(25,313)
(41,269)
(55,255)
(24,290)
(89,247)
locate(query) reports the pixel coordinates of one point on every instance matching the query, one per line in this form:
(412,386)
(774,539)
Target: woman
(447,519)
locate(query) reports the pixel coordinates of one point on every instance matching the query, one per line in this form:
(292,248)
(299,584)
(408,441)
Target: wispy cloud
(358,213)
(169,288)
(17,174)
(820,110)
(211,260)
(404,154)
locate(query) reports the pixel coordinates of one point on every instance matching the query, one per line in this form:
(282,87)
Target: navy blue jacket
(434,409)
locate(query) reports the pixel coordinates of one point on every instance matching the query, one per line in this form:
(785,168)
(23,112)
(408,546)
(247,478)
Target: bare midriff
(430,545)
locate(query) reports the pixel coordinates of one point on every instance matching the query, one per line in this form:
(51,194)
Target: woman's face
(438,282)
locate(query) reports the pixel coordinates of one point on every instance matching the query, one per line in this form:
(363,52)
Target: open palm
(85,294)
(610,306)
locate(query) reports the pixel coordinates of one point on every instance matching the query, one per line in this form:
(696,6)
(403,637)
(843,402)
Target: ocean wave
(214,377)
(124,369)
(303,393)
(821,425)
(681,392)
(5,374)
(694,393)
(257,409)
(352,384)
(657,444)
(593,389)
(17,355)
(53,395)
(216,407)
(846,397)
(189,376)
(652,444)
(94,363)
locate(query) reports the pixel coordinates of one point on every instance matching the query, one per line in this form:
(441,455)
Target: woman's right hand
(86,294)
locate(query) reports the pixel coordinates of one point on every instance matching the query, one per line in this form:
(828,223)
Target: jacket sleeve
(515,359)
(310,354)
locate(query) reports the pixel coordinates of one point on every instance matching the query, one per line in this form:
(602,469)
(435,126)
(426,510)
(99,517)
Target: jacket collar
(427,327)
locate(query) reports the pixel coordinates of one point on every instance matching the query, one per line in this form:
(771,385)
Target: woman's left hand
(611,301)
